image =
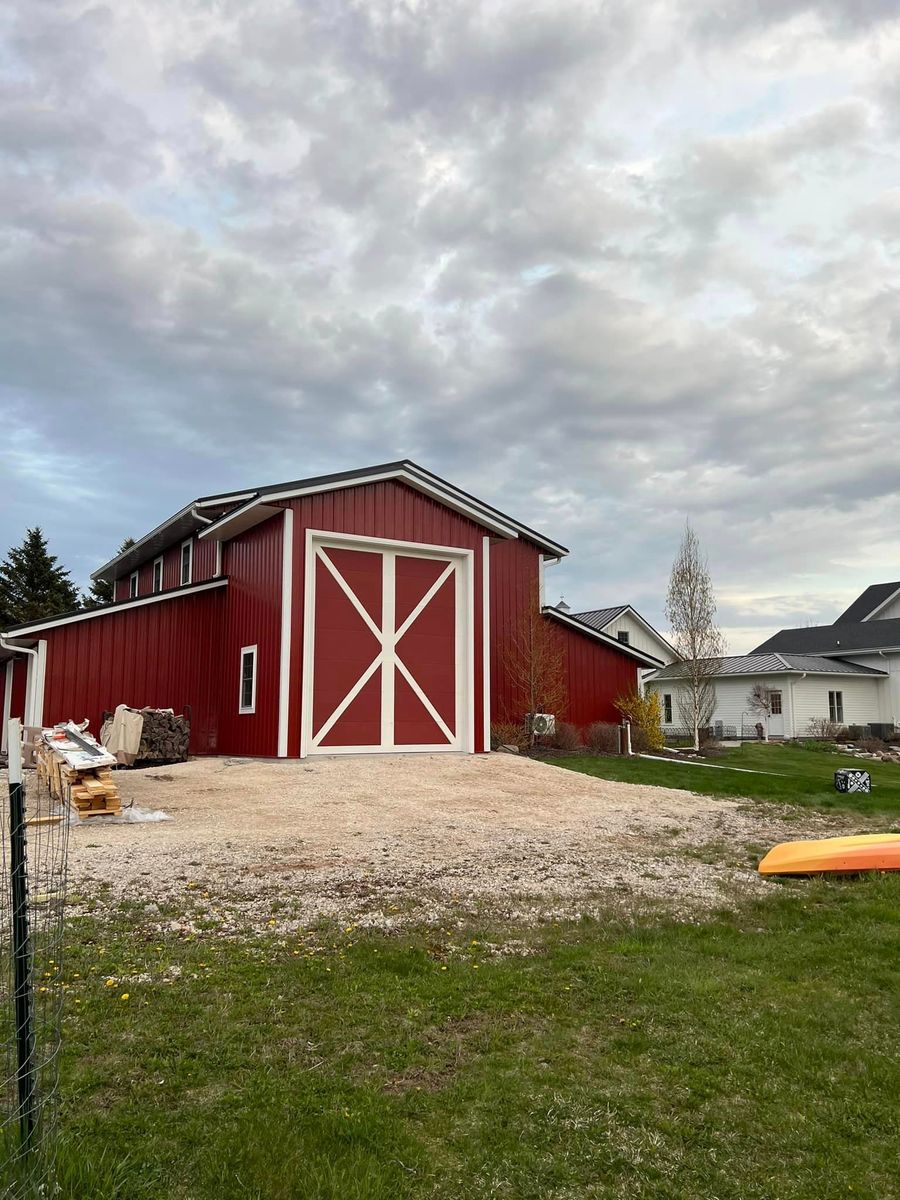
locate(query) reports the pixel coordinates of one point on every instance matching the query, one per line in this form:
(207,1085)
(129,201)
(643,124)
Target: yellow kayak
(863,852)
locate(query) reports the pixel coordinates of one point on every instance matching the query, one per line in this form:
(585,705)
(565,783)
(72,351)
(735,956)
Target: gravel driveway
(384,840)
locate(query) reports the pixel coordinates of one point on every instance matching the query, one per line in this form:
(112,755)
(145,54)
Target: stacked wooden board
(78,772)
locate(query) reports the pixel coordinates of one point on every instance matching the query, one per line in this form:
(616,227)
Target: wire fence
(34,834)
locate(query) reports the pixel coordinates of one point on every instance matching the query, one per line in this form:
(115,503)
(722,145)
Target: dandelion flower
(124,996)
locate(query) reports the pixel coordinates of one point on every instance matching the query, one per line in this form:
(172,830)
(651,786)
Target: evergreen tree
(32,584)
(101,591)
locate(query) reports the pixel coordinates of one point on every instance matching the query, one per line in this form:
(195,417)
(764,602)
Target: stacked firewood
(165,737)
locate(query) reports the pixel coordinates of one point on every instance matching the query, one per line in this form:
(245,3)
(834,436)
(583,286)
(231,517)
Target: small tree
(759,702)
(102,591)
(645,715)
(533,663)
(32,584)
(698,641)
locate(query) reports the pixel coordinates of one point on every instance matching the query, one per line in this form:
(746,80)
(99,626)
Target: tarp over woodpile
(146,735)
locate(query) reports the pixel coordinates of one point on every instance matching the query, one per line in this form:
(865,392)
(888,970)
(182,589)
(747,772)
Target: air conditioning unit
(543,724)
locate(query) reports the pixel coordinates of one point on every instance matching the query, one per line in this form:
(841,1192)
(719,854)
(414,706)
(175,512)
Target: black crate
(852,779)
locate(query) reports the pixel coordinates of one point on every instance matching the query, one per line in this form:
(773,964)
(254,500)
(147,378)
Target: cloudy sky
(606,263)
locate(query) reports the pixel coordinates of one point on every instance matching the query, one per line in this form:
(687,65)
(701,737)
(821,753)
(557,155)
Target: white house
(848,673)
(804,687)
(867,633)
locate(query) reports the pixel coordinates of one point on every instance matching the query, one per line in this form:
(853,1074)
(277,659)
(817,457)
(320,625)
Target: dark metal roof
(598,618)
(836,639)
(775,664)
(579,626)
(186,522)
(873,597)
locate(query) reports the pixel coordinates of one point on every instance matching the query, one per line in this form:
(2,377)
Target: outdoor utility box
(852,779)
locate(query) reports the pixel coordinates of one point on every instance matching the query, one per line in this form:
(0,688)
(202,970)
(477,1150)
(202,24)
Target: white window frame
(776,699)
(157,562)
(623,636)
(245,709)
(134,583)
(189,542)
(836,707)
(667,708)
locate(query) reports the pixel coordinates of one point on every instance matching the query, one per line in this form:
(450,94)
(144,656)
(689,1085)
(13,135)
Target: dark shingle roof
(775,664)
(835,639)
(865,604)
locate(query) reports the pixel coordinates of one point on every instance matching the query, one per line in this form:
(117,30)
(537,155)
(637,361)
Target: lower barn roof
(774,664)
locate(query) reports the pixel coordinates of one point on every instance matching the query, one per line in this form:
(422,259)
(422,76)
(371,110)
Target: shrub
(506,733)
(822,728)
(872,745)
(854,732)
(645,715)
(893,738)
(603,738)
(566,736)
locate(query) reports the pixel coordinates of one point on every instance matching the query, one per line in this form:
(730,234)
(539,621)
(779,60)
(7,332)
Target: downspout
(881,654)
(32,672)
(793,718)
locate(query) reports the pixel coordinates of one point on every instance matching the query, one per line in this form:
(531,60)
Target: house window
(132,585)
(157,574)
(187,559)
(836,707)
(623,636)
(667,709)
(247,697)
(775,698)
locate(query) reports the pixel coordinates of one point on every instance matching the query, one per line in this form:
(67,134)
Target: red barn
(367,611)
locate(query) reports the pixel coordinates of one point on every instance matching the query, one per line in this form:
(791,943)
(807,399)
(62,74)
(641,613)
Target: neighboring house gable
(621,620)
(878,601)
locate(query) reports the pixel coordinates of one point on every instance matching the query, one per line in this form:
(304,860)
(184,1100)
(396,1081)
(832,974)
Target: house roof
(871,599)
(227,513)
(841,638)
(573,622)
(774,664)
(599,618)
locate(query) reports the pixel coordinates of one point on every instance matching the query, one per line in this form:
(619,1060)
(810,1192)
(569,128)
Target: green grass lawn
(750,1056)
(798,776)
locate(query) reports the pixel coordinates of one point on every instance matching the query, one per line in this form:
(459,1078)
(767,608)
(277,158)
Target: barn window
(187,560)
(667,709)
(775,698)
(247,699)
(132,585)
(157,574)
(623,636)
(836,707)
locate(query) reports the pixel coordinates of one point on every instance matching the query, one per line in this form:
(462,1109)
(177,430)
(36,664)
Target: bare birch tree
(697,639)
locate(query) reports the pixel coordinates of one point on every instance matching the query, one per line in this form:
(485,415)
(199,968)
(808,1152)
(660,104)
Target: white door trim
(461,565)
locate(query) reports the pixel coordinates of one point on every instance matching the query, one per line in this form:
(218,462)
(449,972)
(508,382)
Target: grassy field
(792,776)
(749,1056)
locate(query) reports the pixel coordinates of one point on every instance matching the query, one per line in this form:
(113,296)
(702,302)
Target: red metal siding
(595,674)
(515,577)
(203,567)
(163,655)
(253,565)
(19,686)
(387,509)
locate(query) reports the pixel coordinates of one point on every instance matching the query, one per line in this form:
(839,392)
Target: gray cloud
(517,242)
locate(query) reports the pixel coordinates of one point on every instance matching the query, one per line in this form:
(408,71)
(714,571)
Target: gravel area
(387,840)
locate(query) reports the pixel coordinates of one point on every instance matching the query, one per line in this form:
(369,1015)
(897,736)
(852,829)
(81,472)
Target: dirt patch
(386,840)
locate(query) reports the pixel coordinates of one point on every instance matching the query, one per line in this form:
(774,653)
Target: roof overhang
(181,525)
(870,673)
(258,507)
(30,629)
(588,630)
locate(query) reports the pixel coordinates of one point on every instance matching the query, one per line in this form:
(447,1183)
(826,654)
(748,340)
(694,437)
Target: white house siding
(890,691)
(639,637)
(889,611)
(802,700)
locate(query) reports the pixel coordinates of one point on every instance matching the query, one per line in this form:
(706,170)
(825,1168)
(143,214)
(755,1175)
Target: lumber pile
(74,776)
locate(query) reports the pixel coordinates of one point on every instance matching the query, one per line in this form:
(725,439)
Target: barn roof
(599,618)
(227,513)
(774,664)
(871,599)
(573,622)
